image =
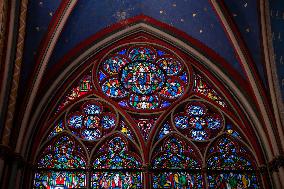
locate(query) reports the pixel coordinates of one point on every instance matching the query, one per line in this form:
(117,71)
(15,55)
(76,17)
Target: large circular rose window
(143,77)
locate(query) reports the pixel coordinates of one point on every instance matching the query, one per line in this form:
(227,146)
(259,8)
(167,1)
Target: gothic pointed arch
(147,110)
(176,163)
(230,162)
(62,160)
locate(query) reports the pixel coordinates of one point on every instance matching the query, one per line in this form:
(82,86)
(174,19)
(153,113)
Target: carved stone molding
(16,74)
(276,163)
(10,156)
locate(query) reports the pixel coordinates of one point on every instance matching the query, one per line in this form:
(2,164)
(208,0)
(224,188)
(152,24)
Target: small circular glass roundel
(114,64)
(143,77)
(181,121)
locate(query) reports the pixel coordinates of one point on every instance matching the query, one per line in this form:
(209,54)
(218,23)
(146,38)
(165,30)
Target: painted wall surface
(277,27)
(39,15)
(196,18)
(245,14)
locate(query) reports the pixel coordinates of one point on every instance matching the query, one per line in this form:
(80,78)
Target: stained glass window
(117,180)
(60,179)
(177,180)
(230,156)
(144,118)
(199,121)
(203,88)
(62,154)
(92,121)
(143,78)
(115,156)
(83,87)
(175,154)
(59,127)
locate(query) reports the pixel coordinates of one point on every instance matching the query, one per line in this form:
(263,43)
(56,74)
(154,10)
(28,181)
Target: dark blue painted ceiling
(196,18)
(39,15)
(277,27)
(245,14)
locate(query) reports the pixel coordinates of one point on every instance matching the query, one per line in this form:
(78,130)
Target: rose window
(92,121)
(143,78)
(199,121)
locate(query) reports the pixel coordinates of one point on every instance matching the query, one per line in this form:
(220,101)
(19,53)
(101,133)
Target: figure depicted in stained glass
(233,180)
(177,180)
(111,180)
(115,155)
(175,154)
(112,88)
(62,154)
(142,54)
(170,65)
(143,78)
(227,154)
(60,179)
(114,64)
